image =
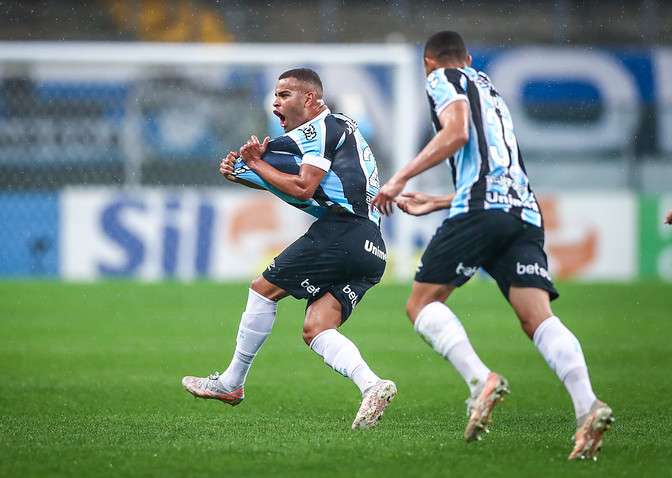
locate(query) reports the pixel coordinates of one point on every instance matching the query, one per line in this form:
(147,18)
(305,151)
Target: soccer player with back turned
(495,223)
(333,264)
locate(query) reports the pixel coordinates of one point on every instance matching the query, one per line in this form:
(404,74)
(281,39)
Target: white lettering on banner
(615,127)
(155,233)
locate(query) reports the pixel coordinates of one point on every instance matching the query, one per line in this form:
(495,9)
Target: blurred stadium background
(113,117)
(109,146)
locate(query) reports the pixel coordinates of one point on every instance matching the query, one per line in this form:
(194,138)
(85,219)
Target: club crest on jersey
(433,80)
(309,132)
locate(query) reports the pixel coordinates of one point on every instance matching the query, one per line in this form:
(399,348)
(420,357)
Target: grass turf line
(91,386)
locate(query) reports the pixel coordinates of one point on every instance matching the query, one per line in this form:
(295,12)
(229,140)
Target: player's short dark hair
(306,75)
(446,45)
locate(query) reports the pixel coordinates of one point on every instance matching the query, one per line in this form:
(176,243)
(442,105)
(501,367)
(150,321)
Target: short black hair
(304,74)
(446,45)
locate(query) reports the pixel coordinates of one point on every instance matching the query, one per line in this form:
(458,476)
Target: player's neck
(453,64)
(317,111)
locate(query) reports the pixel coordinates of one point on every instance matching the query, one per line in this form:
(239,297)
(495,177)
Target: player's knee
(257,285)
(531,317)
(310,331)
(412,310)
(264,288)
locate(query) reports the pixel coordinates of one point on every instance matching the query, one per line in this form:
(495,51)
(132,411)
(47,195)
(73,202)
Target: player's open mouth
(283,120)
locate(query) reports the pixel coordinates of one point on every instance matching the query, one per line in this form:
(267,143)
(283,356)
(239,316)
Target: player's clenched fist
(226,166)
(668,218)
(252,151)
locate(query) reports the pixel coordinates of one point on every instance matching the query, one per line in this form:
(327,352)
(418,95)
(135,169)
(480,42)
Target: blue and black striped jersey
(488,171)
(333,143)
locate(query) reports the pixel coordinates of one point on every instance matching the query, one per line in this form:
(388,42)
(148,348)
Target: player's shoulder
(311,131)
(339,123)
(455,76)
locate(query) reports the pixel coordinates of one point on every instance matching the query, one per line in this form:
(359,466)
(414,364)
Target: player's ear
(430,65)
(311,98)
(469,59)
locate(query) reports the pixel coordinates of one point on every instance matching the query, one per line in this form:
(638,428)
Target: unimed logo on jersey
(310,132)
(379,253)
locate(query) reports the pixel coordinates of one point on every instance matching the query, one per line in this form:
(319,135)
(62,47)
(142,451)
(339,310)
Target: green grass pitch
(90,386)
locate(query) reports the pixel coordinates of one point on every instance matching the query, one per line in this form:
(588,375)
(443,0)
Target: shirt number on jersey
(502,145)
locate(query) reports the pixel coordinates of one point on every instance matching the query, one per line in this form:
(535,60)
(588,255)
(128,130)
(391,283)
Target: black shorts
(509,249)
(341,254)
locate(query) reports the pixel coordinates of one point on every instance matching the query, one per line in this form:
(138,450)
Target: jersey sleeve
(445,86)
(310,141)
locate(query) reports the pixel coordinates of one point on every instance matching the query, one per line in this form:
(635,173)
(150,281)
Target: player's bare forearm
(442,202)
(419,204)
(441,146)
(301,186)
(453,135)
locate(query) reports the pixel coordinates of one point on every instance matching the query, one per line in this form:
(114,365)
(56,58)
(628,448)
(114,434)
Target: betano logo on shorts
(466,270)
(532,269)
(351,295)
(370,247)
(311,289)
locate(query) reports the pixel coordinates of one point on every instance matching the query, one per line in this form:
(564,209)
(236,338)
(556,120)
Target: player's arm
(453,135)
(301,186)
(419,204)
(226,170)
(668,218)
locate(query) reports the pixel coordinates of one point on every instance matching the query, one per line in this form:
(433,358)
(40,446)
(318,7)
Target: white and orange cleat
(591,428)
(374,402)
(479,409)
(211,388)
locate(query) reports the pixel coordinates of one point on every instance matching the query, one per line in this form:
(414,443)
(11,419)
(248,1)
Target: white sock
(255,326)
(343,356)
(441,329)
(563,354)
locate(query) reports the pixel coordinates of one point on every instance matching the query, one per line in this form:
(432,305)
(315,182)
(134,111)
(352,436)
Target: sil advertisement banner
(87,234)
(152,234)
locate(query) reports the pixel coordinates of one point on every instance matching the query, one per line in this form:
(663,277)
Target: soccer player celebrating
(333,264)
(495,223)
